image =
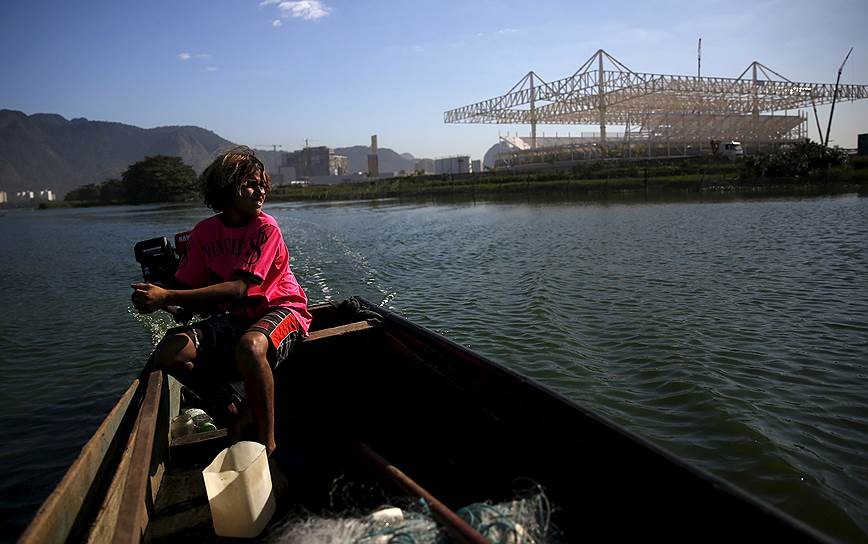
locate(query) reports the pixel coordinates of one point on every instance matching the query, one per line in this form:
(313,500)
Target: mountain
(389,160)
(47,151)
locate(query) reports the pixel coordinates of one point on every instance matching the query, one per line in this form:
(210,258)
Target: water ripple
(731,333)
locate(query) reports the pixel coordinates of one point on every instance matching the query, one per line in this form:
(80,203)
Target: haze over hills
(47,151)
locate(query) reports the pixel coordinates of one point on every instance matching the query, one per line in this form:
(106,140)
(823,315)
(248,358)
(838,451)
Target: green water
(732,333)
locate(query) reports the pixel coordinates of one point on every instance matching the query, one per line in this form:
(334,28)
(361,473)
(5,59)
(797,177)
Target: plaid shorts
(215,339)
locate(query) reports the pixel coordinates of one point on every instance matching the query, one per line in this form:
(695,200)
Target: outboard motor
(159,262)
(158,259)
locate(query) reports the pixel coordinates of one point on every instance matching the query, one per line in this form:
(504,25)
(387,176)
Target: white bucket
(238,483)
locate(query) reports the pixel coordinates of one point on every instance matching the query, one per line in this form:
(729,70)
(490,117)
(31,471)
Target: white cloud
(203,56)
(507,31)
(184,56)
(211,69)
(276,23)
(418,48)
(309,10)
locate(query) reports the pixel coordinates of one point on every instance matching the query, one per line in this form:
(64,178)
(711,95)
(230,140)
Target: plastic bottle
(202,422)
(182,425)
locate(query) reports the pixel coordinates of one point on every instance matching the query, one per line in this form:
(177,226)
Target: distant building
(452,165)
(46,195)
(3,198)
(425,166)
(863,144)
(314,161)
(476,166)
(285,175)
(338,164)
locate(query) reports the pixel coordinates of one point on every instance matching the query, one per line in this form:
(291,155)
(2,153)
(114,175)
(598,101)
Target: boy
(236,267)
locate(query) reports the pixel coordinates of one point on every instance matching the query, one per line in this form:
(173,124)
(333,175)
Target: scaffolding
(659,114)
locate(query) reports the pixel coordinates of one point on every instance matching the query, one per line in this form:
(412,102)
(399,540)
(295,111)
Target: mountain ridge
(48,151)
(45,150)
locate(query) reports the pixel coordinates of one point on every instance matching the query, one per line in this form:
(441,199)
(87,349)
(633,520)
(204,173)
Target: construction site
(648,115)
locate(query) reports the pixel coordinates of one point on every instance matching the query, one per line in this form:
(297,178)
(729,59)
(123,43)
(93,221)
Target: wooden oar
(454,524)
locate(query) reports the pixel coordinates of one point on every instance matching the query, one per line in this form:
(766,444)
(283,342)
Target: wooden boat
(378,399)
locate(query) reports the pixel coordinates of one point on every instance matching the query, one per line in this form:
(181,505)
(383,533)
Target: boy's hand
(148,297)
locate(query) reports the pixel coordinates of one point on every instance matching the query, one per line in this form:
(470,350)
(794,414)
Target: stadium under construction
(657,115)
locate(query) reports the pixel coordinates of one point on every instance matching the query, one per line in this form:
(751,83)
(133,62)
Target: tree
(159,179)
(85,193)
(112,191)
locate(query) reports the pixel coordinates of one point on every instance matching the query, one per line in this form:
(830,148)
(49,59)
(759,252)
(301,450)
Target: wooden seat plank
(341,330)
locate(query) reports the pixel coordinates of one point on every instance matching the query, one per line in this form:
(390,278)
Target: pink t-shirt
(217,253)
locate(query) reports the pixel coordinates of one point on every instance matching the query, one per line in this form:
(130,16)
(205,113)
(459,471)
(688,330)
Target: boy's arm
(148,297)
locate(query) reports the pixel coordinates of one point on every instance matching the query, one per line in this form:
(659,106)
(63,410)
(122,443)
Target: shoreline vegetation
(553,184)
(806,168)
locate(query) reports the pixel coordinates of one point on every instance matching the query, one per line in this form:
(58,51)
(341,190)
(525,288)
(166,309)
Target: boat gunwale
(132,516)
(488,365)
(51,513)
(55,521)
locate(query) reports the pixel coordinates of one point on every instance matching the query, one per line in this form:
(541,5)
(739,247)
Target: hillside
(48,151)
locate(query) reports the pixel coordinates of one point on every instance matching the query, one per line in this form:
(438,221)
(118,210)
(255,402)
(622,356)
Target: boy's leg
(264,346)
(175,354)
(251,356)
(193,355)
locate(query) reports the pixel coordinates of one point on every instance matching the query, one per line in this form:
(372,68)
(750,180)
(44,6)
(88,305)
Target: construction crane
(273,146)
(835,98)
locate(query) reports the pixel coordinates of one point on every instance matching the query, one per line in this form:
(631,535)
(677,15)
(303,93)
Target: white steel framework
(758,107)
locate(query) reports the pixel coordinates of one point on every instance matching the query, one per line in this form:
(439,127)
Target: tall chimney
(373,159)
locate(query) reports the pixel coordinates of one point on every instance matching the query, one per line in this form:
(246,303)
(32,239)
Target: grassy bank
(591,179)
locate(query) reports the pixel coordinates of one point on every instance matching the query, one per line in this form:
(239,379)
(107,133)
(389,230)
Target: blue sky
(337,71)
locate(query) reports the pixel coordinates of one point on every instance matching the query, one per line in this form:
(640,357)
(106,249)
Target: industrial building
(642,114)
(315,161)
(452,165)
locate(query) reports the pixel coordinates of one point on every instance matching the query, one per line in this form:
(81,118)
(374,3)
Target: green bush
(801,159)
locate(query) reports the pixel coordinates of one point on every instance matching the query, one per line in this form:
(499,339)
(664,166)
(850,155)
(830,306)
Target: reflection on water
(729,330)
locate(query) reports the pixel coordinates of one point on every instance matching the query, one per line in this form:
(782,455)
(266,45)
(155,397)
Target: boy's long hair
(221,181)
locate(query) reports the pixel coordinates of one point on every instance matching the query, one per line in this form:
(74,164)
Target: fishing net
(520,521)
